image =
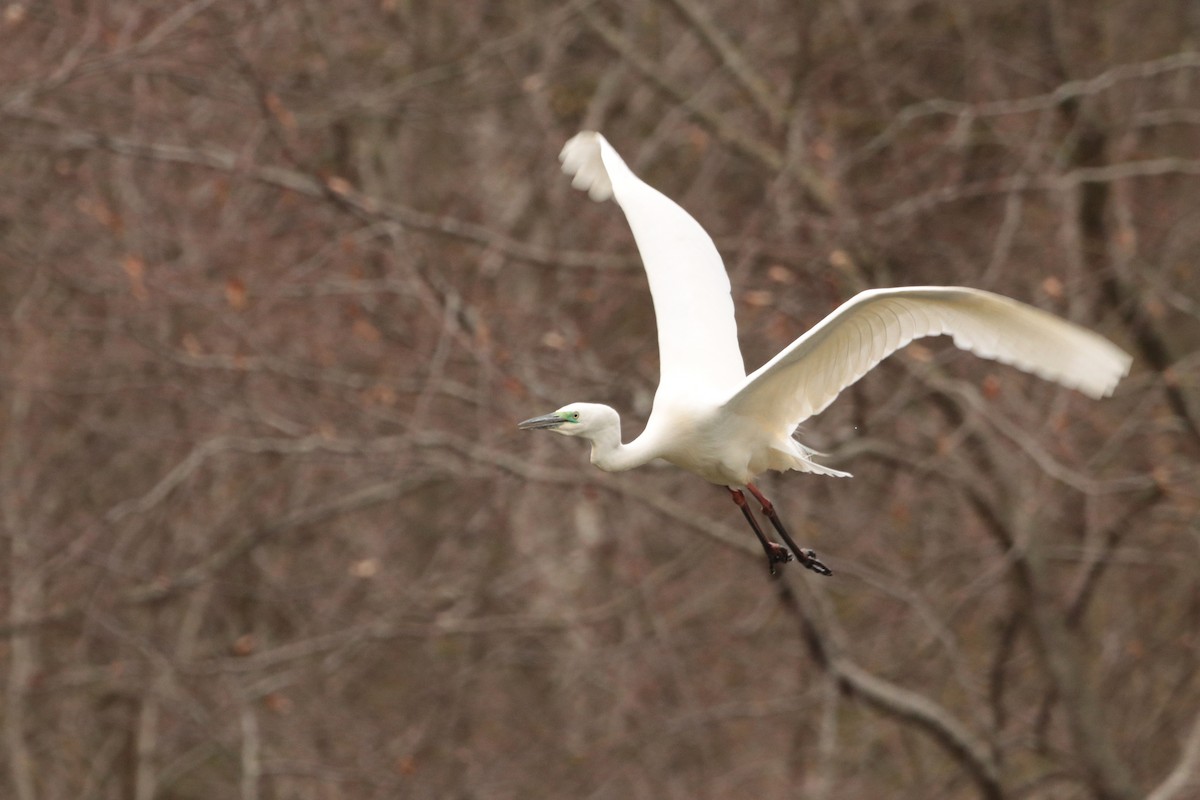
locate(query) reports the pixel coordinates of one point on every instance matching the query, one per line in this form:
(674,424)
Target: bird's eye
(575,416)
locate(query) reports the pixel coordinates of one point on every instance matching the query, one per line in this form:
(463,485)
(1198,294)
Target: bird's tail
(800,458)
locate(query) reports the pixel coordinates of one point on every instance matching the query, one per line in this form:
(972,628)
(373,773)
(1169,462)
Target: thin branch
(897,702)
(75,66)
(1097,559)
(336,189)
(1023,183)
(1071,90)
(182,471)
(1186,774)
(24,590)
(755,149)
(145,746)
(1052,467)
(251,761)
(159,591)
(733,59)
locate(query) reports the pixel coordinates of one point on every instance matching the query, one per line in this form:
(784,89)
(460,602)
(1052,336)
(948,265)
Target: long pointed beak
(544,421)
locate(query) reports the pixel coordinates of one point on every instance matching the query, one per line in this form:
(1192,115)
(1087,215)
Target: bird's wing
(697,335)
(809,373)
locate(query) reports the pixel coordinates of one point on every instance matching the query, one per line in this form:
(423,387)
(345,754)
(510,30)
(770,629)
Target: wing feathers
(697,336)
(581,160)
(806,377)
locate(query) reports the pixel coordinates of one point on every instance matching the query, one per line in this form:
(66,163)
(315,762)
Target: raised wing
(697,335)
(809,373)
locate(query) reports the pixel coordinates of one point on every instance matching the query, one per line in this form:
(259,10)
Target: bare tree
(278,279)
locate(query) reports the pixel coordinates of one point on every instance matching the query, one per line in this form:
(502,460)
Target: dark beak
(544,421)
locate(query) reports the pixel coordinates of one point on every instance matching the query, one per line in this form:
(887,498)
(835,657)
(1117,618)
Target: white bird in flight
(712,419)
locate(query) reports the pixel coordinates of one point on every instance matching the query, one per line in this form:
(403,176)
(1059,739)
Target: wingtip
(1101,380)
(582,159)
(1116,367)
(1122,364)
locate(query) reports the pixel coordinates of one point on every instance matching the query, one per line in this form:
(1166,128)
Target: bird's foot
(809,559)
(776,554)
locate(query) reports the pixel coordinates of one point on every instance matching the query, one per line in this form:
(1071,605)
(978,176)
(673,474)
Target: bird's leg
(805,556)
(776,553)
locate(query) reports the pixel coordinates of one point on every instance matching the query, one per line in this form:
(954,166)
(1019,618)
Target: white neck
(611,456)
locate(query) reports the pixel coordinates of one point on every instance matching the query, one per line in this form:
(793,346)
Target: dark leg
(776,553)
(805,556)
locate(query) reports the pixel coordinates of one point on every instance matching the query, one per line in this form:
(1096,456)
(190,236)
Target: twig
(1070,90)
(1023,183)
(226,161)
(194,576)
(897,702)
(1186,774)
(729,54)
(749,146)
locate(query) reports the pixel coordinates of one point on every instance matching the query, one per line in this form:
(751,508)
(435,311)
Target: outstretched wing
(697,335)
(808,374)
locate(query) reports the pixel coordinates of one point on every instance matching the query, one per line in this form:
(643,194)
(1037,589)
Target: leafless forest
(279,277)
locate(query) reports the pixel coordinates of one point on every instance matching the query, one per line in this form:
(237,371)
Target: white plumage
(711,419)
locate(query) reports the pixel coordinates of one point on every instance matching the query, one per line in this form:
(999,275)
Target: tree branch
(897,702)
(729,54)
(335,189)
(1186,774)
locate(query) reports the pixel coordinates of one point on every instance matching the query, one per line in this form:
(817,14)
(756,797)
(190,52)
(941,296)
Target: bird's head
(576,419)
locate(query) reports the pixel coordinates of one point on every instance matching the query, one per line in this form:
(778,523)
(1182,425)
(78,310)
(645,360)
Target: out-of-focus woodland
(278,278)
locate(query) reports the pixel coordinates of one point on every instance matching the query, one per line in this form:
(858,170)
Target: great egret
(713,420)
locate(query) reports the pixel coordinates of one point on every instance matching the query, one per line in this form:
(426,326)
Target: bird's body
(699,436)
(713,420)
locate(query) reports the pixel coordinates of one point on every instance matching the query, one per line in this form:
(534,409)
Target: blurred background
(278,278)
